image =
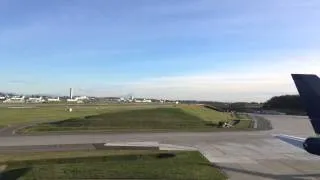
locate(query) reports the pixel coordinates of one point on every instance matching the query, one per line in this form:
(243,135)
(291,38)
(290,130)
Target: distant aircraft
(308,86)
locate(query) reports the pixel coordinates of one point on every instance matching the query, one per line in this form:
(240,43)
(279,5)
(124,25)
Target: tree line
(290,104)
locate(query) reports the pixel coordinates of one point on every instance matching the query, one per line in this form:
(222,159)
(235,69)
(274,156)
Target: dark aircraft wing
(308,86)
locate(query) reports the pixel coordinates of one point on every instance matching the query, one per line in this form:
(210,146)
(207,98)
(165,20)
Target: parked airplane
(308,86)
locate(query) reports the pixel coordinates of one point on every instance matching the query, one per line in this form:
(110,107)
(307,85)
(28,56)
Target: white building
(78,99)
(74,101)
(15,99)
(142,100)
(54,99)
(147,101)
(82,98)
(121,99)
(35,100)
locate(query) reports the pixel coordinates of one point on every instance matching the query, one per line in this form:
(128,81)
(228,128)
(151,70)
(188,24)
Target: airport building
(15,99)
(82,98)
(35,100)
(142,100)
(75,101)
(54,99)
(78,99)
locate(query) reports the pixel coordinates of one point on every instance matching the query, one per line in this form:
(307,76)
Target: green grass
(16,116)
(215,116)
(164,119)
(244,124)
(206,114)
(245,120)
(118,118)
(112,165)
(48,112)
(130,120)
(243,116)
(30,156)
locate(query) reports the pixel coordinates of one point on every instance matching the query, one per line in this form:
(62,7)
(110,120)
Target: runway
(242,155)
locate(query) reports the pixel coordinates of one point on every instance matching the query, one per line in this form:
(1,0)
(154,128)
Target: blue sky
(179,49)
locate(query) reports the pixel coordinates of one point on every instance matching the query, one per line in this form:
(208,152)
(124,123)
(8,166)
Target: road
(242,155)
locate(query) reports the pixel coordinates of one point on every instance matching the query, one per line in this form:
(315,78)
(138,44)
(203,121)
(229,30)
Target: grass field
(162,119)
(58,112)
(213,116)
(130,120)
(246,120)
(206,114)
(118,118)
(111,165)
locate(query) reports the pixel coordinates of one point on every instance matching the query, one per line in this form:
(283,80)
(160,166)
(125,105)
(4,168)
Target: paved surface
(242,155)
(261,123)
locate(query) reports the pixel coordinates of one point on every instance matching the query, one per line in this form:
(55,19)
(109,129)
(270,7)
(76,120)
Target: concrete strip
(46,148)
(148,145)
(171,147)
(255,121)
(132,145)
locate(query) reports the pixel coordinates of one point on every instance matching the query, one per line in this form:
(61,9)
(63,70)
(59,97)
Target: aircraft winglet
(308,86)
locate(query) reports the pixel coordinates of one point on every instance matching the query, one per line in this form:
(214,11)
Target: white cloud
(256,82)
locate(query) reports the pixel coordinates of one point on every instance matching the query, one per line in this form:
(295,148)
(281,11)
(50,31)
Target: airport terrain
(118,118)
(25,113)
(125,164)
(88,160)
(242,155)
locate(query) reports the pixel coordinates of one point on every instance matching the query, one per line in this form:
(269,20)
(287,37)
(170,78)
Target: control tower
(70,93)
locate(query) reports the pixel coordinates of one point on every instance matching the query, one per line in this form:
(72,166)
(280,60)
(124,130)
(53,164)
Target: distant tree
(290,104)
(284,102)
